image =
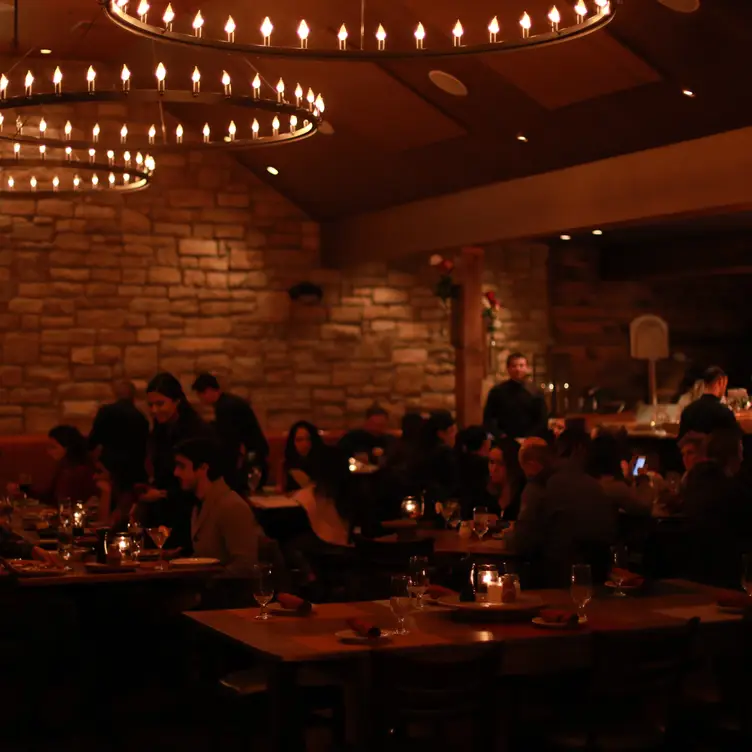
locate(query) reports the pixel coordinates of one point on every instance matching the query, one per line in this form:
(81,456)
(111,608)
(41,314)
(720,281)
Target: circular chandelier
(285,121)
(482,36)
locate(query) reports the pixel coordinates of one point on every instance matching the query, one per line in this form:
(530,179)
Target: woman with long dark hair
(174,421)
(506,479)
(303,456)
(440,474)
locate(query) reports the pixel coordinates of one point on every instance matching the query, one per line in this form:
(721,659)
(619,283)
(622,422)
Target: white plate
(556,624)
(194,562)
(523,603)
(350,637)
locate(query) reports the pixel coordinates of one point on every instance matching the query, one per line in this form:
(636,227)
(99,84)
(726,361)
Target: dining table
(287,644)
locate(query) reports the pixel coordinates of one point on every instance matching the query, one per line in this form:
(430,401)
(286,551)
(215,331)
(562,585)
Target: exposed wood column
(469,370)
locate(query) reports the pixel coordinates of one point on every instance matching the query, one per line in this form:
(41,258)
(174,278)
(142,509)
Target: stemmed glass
(480,521)
(618,566)
(400,601)
(262,582)
(419,581)
(450,511)
(137,535)
(160,535)
(747,573)
(24,484)
(581,588)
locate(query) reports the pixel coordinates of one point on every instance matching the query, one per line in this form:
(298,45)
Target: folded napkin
(553,616)
(735,600)
(364,628)
(291,602)
(439,591)
(629,579)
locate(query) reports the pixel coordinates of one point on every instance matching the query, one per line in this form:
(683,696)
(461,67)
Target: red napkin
(364,628)
(629,579)
(735,600)
(291,602)
(439,591)
(553,616)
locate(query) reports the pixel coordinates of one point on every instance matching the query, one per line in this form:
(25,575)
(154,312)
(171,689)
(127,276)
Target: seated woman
(506,479)
(439,472)
(303,452)
(472,448)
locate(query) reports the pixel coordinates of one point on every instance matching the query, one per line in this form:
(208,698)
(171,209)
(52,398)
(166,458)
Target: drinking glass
(6,511)
(419,581)
(24,484)
(747,573)
(65,539)
(400,601)
(137,536)
(480,521)
(160,535)
(262,582)
(450,510)
(618,565)
(581,588)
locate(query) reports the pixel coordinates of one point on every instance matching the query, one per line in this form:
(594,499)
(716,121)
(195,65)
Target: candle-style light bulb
(33,183)
(303,32)
(57,80)
(152,134)
(298,94)
(125,77)
(310,98)
(293,123)
(68,153)
(256,86)
(43,151)
(95,131)
(232,129)
(255,128)
(123,133)
(381,37)
(266,31)
(2,120)
(161,74)
(319,103)
(94,181)
(139,158)
(11,183)
(127,158)
(581,10)
(68,130)
(420,35)
(111,179)
(16,150)
(457,33)
(230,29)
(207,133)
(55,183)
(111,156)
(179,133)
(3,86)
(342,37)
(91,77)
(28,83)
(280,90)
(226,83)
(149,163)
(493,30)
(275,126)
(196,79)
(42,126)
(126,178)
(143,10)
(198,25)
(92,155)
(525,23)
(555,18)
(168,17)
(76,182)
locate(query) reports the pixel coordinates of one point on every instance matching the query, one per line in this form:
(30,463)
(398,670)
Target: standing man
(238,431)
(515,408)
(120,434)
(708,413)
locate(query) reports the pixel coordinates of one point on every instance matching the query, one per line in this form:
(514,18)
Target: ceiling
(398,138)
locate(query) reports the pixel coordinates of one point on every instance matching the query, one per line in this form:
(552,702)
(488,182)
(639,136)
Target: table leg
(287,727)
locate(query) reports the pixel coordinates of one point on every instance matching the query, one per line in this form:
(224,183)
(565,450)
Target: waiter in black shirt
(238,430)
(708,413)
(514,408)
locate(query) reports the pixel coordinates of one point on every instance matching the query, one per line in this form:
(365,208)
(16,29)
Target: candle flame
(68,128)
(125,74)
(310,96)
(143,8)
(525,21)
(96,130)
(230,26)
(581,9)
(232,129)
(554,16)
(56,181)
(57,77)
(255,126)
(303,30)
(161,72)
(124,131)
(225,78)
(342,34)
(169,14)
(494,27)
(179,131)
(458,31)
(320,103)
(196,77)
(420,32)
(42,125)
(275,123)
(267,27)
(3,82)
(299,92)
(198,21)
(280,87)
(111,178)
(29,80)
(381,33)
(91,74)
(152,132)
(207,130)
(256,82)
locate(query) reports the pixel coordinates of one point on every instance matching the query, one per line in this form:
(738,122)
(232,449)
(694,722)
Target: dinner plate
(557,624)
(194,562)
(29,568)
(522,603)
(277,610)
(350,637)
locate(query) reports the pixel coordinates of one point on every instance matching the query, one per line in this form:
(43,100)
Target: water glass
(747,573)
(419,580)
(619,564)
(400,601)
(480,521)
(136,532)
(262,582)
(581,588)
(65,540)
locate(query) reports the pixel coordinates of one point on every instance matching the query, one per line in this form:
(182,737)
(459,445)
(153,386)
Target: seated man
(222,524)
(372,439)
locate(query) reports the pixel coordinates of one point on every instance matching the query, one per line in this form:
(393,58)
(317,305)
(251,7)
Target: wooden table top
(309,639)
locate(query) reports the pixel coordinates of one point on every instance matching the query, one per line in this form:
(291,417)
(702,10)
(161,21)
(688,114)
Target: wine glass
(747,573)
(618,568)
(581,588)
(24,484)
(263,588)
(480,521)
(449,510)
(400,601)
(419,581)
(160,535)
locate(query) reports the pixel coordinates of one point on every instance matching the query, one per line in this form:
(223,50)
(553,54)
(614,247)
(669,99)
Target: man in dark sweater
(238,431)
(514,408)
(708,413)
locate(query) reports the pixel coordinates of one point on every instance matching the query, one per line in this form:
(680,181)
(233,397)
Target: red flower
(491,298)
(446,266)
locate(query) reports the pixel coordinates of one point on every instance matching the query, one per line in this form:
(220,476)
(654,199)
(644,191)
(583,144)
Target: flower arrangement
(445,288)
(491,309)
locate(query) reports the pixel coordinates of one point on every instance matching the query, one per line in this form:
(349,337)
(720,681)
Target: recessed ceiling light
(326,128)
(688,93)
(45,52)
(447,83)
(272,170)
(522,137)
(565,237)
(597,232)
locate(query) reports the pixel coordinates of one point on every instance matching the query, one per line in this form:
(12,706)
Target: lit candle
(298,94)
(76,182)
(3,86)
(95,131)
(125,77)
(525,23)
(581,10)
(232,129)
(179,133)
(143,10)
(280,90)
(91,76)
(555,18)
(266,31)
(493,30)
(123,133)
(68,130)
(293,123)
(152,134)
(33,183)
(420,35)
(68,153)
(227,83)
(256,86)
(168,17)
(230,30)
(42,126)
(111,179)
(255,128)
(198,25)
(381,37)
(161,74)
(196,79)
(43,151)
(28,83)
(111,157)
(207,133)
(57,80)
(16,150)
(55,183)
(342,37)
(303,32)
(320,103)
(92,154)
(457,33)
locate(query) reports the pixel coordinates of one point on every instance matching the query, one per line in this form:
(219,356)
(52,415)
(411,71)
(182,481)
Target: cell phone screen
(639,464)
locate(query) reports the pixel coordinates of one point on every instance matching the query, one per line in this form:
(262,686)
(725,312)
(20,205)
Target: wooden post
(469,366)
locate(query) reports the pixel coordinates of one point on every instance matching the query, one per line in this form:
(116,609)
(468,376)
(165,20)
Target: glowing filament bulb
(342,37)
(226,83)
(266,31)
(152,134)
(275,126)
(280,90)
(127,157)
(110,156)
(319,103)
(94,181)
(55,183)
(33,183)
(230,29)
(95,131)
(3,85)
(111,179)
(420,35)
(91,76)
(310,98)
(161,74)
(198,24)
(493,29)
(57,80)
(169,16)
(143,9)
(255,128)
(207,133)
(525,23)
(232,130)
(125,77)
(581,10)
(150,163)
(457,33)
(123,133)
(139,158)
(11,182)
(76,182)
(42,151)
(126,178)
(28,83)
(303,32)
(381,37)
(42,126)
(68,153)
(16,149)
(256,86)
(92,154)
(298,94)
(293,123)
(179,133)
(196,78)
(555,18)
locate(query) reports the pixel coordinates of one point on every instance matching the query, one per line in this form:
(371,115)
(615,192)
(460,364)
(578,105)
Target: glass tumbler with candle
(123,544)
(411,508)
(486,574)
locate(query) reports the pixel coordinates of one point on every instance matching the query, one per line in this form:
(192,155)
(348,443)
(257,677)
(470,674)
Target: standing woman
(174,421)
(303,456)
